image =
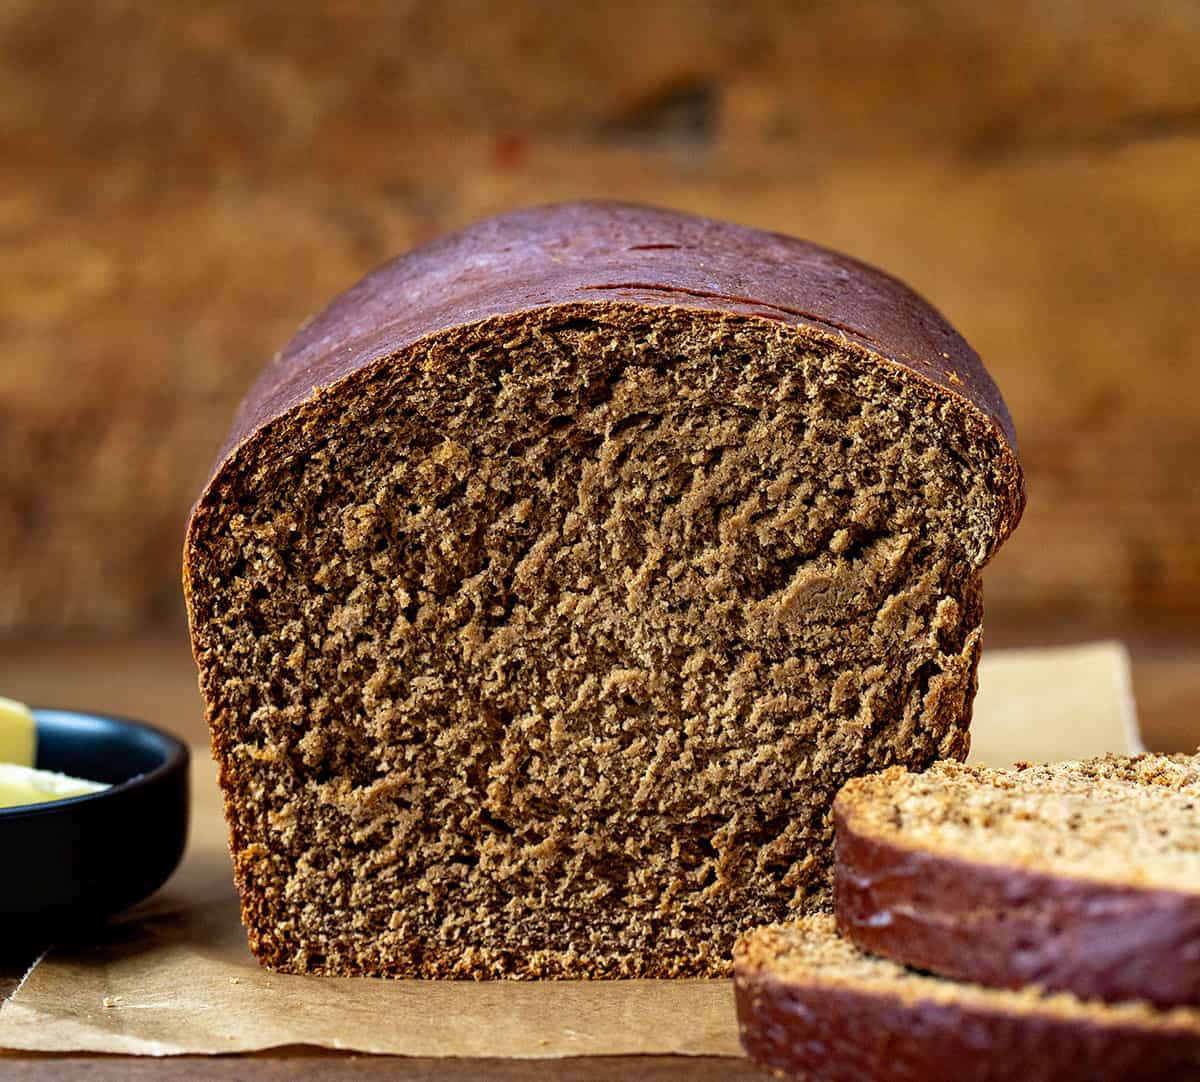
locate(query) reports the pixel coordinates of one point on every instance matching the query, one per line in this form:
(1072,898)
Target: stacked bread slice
(1041,922)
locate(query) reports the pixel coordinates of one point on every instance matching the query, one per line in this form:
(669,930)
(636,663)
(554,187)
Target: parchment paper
(174,976)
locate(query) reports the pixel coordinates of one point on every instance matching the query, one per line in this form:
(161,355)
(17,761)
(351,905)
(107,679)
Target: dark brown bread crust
(825,1034)
(600,252)
(1006,927)
(574,262)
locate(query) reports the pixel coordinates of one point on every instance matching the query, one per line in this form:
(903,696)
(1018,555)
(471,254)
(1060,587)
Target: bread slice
(813,1006)
(554,579)
(1079,876)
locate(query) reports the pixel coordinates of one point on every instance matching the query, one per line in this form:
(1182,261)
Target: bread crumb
(588,715)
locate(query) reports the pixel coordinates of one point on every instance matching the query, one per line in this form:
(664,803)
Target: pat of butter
(18,734)
(24,785)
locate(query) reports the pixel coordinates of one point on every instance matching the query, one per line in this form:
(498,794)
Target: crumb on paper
(111,1001)
(235,980)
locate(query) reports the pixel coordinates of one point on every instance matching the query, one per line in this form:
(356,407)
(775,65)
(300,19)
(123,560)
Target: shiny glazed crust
(608,253)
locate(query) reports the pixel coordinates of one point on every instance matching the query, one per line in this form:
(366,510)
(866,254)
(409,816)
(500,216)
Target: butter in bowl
(93,809)
(20,781)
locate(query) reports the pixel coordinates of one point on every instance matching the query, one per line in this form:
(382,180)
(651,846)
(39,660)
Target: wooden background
(180,185)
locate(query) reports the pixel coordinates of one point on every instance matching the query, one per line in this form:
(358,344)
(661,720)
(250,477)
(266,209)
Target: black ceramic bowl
(74,862)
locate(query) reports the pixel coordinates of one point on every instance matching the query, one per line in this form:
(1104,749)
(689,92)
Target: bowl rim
(176,756)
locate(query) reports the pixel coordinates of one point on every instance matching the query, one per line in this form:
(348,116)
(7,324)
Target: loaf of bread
(812,1006)
(1079,876)
(555,578)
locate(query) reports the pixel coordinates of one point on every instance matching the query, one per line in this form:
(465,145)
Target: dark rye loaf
(1081,876)
(813,1006)
(554,579)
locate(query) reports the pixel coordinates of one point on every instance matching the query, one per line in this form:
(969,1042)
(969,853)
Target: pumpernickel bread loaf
(554,579)
(813,1006)
(1080,876)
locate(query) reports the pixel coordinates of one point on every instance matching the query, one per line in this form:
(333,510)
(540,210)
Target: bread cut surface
(1082,876)
(813,1006)
(556,577)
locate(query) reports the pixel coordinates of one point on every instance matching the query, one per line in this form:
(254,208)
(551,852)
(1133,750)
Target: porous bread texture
(1133,821)
(542,648)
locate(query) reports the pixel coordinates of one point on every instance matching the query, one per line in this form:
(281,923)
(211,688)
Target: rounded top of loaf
(611,253)
(605,252)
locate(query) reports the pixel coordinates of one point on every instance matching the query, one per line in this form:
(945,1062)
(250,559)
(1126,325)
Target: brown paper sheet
(174,976)
(1043,705)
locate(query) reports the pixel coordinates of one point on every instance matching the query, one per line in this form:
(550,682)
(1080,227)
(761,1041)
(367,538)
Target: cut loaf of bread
(1079,876)
(813,1006)
(554,579)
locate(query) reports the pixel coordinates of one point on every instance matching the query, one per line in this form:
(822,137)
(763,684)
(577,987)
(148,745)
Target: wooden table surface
(332,1067)
(153,678)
